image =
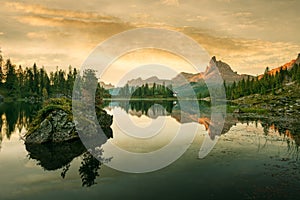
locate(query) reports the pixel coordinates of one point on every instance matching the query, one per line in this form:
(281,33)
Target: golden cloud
(170,2)
(44,11)
(244,54)
(81,31)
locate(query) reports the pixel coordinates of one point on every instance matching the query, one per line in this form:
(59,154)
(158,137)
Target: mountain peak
(297,61)
(225,71)
(214,59)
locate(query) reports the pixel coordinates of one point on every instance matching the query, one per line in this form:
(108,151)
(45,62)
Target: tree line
(268,83)
(146,91)
(35,82)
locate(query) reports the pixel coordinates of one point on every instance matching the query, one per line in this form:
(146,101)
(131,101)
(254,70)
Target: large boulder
(56,127)
(54,123)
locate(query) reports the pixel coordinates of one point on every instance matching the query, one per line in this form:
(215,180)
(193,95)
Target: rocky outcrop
(54,123)
(56,127)
(227,74)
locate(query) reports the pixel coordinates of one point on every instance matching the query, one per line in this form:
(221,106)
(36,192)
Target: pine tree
(11,77)
(35,80)
(20,82)
(1,71)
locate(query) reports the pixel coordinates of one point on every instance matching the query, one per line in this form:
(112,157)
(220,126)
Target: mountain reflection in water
(286,126)
(17,116)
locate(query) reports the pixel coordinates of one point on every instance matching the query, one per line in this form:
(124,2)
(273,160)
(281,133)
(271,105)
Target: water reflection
(55,156)
(283,126)
(60,156)
(15,116)
(286,127)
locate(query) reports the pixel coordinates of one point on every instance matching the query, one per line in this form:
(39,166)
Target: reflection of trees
(288,127)
(16,115)
(144,106)
(147,106)
(89,169)
(55,156)
(59,156)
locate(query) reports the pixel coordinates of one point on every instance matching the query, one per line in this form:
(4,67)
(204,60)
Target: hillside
(285,101)
(286,66)
(275,93)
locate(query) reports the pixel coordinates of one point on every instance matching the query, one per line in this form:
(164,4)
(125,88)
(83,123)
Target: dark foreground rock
(52,156)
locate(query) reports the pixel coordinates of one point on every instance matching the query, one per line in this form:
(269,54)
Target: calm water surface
(253,159)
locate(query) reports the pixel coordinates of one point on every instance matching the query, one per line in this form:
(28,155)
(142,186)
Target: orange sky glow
(248,35)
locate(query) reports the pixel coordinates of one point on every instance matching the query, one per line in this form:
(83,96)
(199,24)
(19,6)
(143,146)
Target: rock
(54,124)
(56,127)
(237,111)
(279,91)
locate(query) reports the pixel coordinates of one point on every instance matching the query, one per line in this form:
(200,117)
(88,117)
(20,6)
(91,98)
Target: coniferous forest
(18,82)
(34,82)
(146,91)
(266,84)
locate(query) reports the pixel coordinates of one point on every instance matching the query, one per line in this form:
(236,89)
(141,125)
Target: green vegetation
(34,83)
(19,83)
(254,110)
(272,94)
(49,106)
(285,101)
(268,84)
(146,91)
(84,88)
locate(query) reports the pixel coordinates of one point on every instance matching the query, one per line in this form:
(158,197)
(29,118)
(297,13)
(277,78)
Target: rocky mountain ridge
(286,66)
(183,78)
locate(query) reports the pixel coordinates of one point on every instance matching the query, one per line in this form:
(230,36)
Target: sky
(248,35)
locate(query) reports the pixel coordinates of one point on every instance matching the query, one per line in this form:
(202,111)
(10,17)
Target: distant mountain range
(106,86)
(184,80)
(150,81)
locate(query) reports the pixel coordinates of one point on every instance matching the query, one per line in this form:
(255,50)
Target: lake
(255,157)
